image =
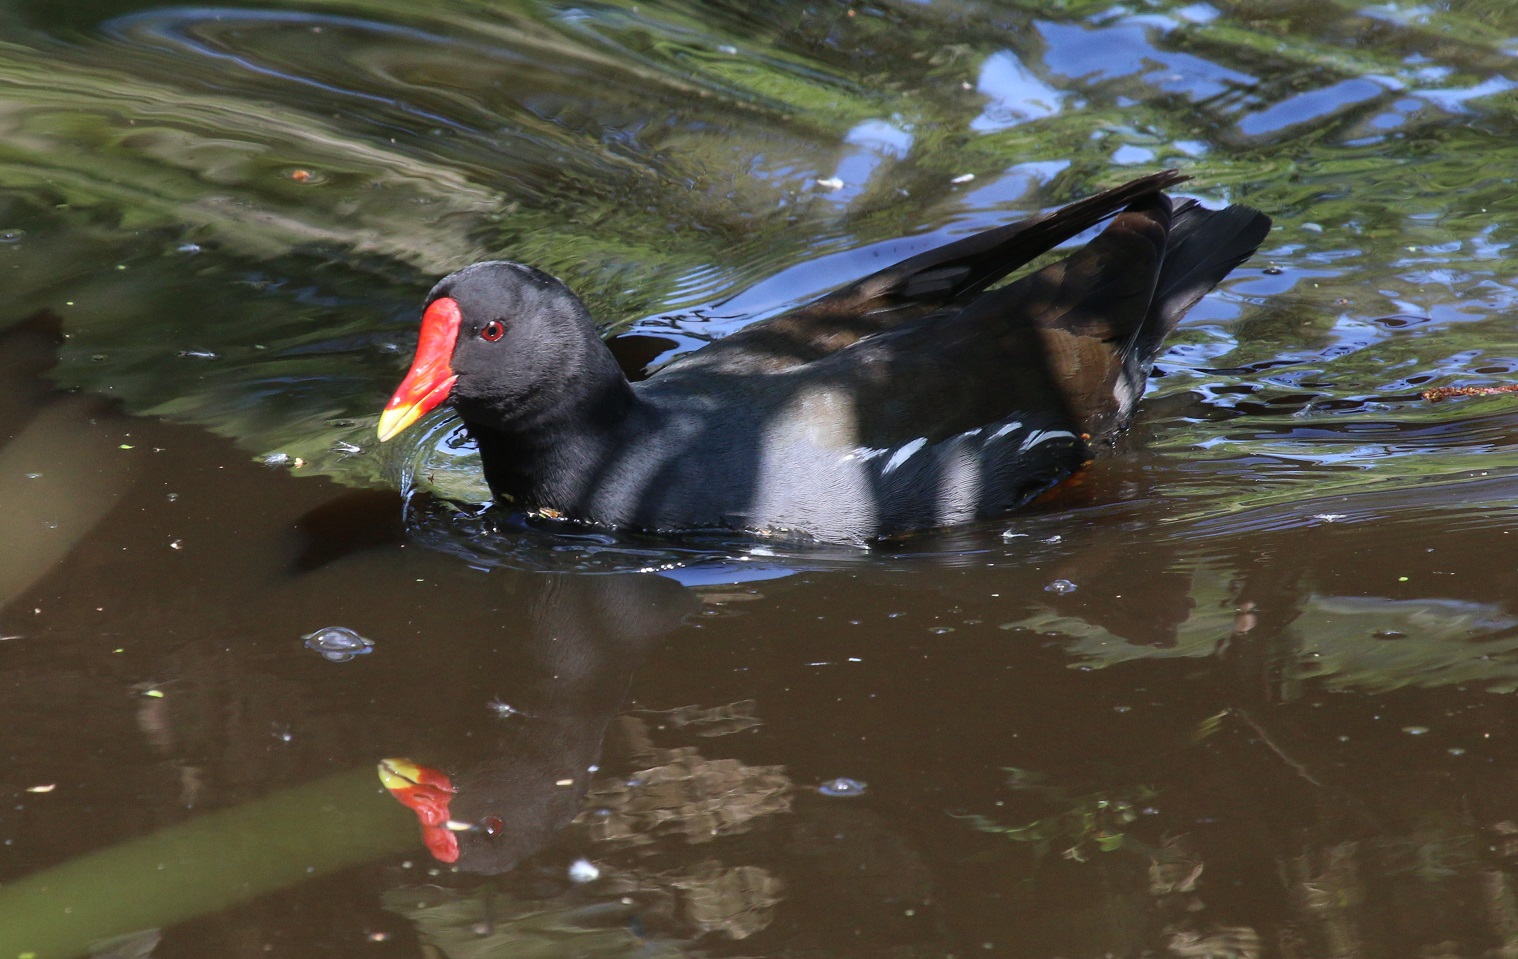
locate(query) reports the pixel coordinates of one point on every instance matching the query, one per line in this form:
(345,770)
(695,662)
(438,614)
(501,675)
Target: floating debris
(842,787)
(583,871)
(1445,392)
(276,459)
(503,710)
(338,643)
(963,178)
(1060,587)
(343,448)
(831,183)
(199,355)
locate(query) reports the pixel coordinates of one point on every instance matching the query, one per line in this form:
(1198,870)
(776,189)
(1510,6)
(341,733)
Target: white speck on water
(583,870)
(831,183)
(1415,730)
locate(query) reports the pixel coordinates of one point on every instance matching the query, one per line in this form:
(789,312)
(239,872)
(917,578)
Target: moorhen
(915,397)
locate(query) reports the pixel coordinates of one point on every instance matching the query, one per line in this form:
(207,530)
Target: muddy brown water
(1244,690)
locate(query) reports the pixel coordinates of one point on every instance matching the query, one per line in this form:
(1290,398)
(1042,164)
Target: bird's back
(922,415)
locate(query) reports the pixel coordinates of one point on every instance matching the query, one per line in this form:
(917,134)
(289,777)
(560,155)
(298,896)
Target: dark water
(1245,691)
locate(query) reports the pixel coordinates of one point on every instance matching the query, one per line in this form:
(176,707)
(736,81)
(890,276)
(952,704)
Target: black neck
(546,451)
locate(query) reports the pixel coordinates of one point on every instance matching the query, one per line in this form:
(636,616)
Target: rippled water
(1242,691)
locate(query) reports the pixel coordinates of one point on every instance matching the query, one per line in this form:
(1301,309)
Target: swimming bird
(916,397)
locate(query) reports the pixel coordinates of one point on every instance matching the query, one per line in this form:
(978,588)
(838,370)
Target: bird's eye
(493,330)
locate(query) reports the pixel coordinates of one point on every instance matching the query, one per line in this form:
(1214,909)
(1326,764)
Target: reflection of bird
(909,399)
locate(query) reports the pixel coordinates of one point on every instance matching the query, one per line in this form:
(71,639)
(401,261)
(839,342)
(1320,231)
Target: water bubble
(842,787)
(338,643)
(583,870)
(1060,587)
(11,236)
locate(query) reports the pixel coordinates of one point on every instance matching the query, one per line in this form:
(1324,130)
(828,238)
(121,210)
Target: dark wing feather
(1066,347)
(909,290)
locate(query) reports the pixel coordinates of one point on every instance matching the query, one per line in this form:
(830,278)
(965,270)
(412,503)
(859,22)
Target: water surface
(1243,691)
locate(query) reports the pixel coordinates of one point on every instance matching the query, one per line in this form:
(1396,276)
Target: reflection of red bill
(427,792)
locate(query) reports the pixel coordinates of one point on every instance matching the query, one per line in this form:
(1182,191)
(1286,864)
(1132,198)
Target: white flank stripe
(904,453)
